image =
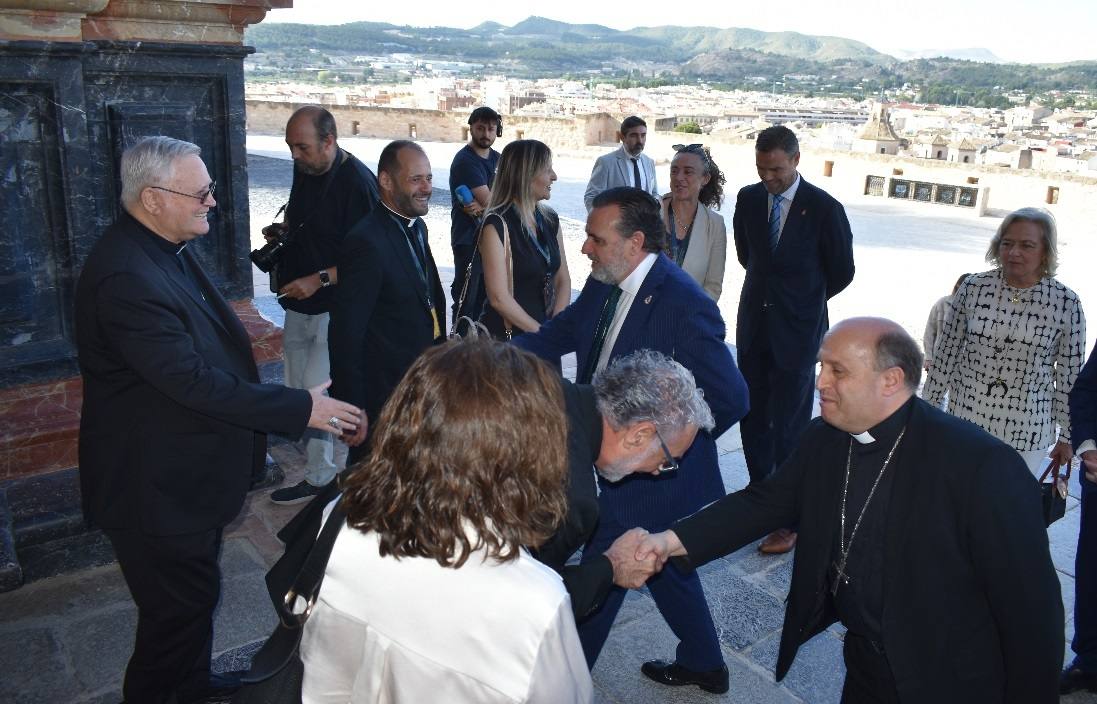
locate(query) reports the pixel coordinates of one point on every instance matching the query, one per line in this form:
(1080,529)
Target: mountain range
(540,47)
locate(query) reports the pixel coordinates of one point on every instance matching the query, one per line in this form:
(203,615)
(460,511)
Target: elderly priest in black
(174,417)
(918,531)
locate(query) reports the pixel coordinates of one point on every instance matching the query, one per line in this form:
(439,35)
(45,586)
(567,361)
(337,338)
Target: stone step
(45,507)
(43,532)
(11,574)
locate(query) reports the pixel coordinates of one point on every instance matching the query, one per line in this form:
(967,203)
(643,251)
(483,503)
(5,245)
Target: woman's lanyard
(678,248)
(534,237)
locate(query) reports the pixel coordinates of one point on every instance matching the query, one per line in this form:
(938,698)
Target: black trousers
(175,582)
(780,408)
(868,673)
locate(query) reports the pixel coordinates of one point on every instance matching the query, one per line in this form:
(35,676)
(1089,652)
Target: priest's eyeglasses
(200,197)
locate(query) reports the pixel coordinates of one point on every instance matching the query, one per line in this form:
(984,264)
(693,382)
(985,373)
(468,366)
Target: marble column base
(39,423)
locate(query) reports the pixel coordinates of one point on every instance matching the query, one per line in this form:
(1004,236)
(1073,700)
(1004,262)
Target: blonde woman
(536,285)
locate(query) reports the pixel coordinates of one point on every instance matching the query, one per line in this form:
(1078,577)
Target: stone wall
(266,117)
(1002,189)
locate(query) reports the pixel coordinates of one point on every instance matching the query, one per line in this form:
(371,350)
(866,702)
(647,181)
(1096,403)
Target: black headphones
(483,114)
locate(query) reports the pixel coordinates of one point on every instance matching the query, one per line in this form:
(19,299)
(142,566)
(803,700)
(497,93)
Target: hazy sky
(1014,30)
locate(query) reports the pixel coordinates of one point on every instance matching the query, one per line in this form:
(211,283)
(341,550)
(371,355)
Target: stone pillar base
(39,423)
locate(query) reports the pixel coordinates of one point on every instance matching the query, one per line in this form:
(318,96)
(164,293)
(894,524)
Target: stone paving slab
(36,669)
(641,635)
(743,612)
(816,674)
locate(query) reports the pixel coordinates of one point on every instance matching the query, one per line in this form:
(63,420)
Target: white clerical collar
(864,438)
(410,221)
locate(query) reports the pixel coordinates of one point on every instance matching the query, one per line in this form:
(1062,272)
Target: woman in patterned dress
(1014,343)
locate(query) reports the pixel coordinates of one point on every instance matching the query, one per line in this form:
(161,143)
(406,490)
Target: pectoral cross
(840,576)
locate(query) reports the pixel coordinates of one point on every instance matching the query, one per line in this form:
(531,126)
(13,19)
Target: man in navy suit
(1082,672)
(636,298)
(795,243)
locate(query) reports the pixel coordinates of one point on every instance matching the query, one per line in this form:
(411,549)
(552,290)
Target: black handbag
(276,670)
(466,323)
(1053,494)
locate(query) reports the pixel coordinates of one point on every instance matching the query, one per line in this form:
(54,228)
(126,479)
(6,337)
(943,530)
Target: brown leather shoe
(778,542)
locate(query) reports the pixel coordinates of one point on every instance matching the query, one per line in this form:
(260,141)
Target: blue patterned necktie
(636,173)
(775,223)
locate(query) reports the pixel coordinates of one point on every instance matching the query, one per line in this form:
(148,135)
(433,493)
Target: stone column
(79,81)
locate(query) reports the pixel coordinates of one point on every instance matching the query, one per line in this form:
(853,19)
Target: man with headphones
(473,167)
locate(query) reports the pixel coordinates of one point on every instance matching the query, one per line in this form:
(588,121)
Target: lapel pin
(647,300)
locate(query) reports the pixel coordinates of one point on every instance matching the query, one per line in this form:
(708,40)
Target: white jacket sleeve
(560,674)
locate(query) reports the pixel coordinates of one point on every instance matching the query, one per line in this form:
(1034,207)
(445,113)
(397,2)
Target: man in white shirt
(625,166)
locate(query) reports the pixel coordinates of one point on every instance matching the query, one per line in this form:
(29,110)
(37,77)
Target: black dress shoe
(1075,679)
(663,672)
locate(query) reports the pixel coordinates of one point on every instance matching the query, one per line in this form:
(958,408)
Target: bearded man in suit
(389,305)
(637,298)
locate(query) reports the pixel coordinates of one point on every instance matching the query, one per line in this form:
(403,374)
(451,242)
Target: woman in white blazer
(697,238)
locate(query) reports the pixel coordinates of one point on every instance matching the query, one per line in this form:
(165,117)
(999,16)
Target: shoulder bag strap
(468,278)
(307,584)
(510,273)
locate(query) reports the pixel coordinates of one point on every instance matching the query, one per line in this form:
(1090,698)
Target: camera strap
(291,234)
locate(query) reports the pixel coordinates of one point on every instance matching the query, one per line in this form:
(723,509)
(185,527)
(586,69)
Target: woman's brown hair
(469,452)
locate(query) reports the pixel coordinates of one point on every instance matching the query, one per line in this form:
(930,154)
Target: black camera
(267,256)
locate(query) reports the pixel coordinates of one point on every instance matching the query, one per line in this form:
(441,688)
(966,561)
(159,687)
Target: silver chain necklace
(841,577)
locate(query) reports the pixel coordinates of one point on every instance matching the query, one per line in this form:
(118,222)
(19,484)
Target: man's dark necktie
(636,172)
(415,238)
(600,332)
(775,223)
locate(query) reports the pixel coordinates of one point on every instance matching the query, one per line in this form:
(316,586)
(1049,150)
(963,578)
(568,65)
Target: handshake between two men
(638,554)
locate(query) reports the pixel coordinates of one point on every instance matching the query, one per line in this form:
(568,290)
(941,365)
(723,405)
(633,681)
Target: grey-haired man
(640,414)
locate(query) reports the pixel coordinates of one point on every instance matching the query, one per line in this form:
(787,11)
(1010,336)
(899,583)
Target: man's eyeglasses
(201,197)
(669,464)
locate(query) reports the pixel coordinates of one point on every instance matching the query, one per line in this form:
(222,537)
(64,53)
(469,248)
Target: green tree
(689,127)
